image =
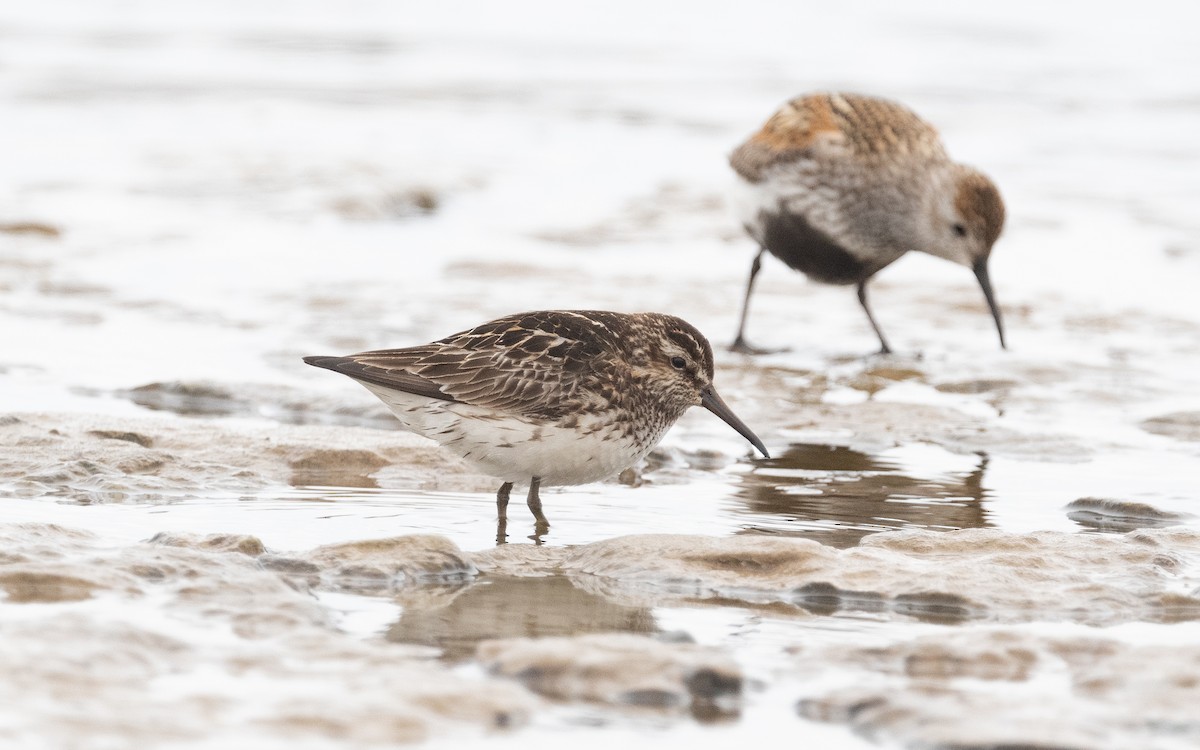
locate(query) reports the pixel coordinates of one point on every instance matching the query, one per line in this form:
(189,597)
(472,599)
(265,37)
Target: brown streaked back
(542,364)
(864,127)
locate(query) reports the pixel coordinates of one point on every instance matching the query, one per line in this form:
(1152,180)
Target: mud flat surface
(906,637)
(975,637)
(206,544)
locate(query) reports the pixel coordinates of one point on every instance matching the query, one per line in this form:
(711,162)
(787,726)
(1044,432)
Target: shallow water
(953,546)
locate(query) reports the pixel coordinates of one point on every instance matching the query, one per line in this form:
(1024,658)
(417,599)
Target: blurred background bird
(839,186)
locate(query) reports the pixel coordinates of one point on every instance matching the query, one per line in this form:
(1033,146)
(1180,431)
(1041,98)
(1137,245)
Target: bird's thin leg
(739,344)
(535,503)
(502,512)
(862,299)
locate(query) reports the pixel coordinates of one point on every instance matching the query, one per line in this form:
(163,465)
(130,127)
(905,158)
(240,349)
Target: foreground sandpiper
(555,397)
(838,186)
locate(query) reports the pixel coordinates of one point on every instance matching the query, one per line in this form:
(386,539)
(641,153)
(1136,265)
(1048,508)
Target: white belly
(748,200)
(515,449)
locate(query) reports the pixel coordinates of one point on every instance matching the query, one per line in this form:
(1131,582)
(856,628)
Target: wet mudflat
(204,543)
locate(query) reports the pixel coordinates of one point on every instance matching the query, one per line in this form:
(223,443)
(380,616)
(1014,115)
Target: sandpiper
(556,397)
(838,186)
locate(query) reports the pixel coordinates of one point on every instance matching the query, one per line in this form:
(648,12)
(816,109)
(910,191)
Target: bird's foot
(742,347)
(540,529)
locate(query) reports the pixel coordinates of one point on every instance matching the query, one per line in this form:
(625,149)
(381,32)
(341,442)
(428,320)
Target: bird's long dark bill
(711,401)
(985,282)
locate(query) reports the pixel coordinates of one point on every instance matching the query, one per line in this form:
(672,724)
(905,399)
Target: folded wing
(526,364)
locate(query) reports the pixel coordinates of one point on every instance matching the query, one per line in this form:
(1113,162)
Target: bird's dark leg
(739,344)
(502,501)
(862,299)
(502,512)
(535,504)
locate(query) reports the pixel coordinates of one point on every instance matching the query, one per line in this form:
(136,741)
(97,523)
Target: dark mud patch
(620,669)
(926,606)
(130,437)
(935,606)
(1181,425)
(826,599)
(24,587)
(192,399)
(388,205)
(876,379)
(984,385)
(31,228)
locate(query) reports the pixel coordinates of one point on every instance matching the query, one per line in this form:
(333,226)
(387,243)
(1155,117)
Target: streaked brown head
(980,209)
(678,361)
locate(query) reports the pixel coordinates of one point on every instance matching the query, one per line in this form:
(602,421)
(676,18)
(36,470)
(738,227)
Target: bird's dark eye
(960,230)
(678,363)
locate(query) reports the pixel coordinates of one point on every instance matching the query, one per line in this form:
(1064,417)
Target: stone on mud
(1109,514)
(248,545)
(393,562)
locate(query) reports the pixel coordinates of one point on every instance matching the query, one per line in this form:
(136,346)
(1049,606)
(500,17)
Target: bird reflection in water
(836,496)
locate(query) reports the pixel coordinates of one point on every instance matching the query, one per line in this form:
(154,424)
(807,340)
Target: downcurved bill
(981,273)
(711,401)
